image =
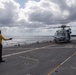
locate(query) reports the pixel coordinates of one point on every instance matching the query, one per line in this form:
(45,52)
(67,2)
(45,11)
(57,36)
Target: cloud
(37,15)
(8,12)
(51,11)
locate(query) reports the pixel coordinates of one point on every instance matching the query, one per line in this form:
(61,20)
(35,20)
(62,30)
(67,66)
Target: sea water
(25,40)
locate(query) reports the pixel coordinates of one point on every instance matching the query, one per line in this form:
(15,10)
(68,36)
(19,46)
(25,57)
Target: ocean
(25,40)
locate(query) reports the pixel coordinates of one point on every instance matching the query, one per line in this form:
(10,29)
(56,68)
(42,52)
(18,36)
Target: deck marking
(73,67)
(62,63)
(16,49)
(8,55)
(29,58)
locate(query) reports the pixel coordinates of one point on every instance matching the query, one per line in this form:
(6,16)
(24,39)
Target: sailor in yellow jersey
(2,38)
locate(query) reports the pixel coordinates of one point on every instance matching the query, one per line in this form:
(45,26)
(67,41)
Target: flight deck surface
(46,58)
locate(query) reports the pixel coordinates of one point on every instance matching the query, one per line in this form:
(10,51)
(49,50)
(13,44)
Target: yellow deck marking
(61,63)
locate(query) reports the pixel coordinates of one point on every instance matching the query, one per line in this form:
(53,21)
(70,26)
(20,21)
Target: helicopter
(63,35)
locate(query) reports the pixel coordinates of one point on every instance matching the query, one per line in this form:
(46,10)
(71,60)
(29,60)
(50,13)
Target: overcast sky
(35,17)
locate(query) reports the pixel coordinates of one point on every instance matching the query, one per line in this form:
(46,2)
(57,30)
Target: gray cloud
(64,6)
(8,14)
(23,23)
(41,13)
(37,15)
(66,15)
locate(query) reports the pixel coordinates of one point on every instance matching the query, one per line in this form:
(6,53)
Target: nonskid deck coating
(39,59)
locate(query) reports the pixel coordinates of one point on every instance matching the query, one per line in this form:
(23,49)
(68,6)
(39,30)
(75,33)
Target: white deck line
(28,58)
(8,55)
(68,58)
(61,63)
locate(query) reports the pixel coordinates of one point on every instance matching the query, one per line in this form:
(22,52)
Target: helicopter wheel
(68,41)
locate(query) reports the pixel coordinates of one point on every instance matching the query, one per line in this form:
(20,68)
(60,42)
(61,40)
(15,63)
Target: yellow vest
(2,38)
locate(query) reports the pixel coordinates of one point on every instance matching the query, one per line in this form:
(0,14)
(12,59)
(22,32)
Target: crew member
(2,38)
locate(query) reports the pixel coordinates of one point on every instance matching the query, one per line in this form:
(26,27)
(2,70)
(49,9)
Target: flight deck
(45,58)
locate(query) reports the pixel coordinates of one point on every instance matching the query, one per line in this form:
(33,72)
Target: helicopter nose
(62,38)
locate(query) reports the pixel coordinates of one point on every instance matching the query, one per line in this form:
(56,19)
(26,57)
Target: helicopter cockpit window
(60,33)
(63,34)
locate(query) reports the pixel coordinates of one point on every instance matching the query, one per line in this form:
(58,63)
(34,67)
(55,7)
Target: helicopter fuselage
(62,36)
